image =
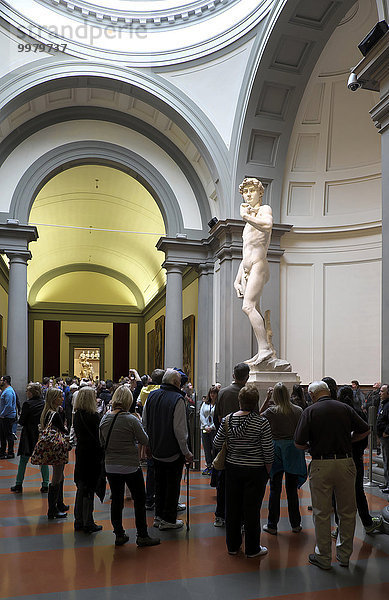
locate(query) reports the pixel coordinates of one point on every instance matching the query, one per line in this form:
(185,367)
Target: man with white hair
(327,428)
(164,418)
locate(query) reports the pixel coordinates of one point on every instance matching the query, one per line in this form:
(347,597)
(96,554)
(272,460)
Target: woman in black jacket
(89,455)
(29,419)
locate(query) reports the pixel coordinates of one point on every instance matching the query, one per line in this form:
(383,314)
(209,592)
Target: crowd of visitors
(116,428)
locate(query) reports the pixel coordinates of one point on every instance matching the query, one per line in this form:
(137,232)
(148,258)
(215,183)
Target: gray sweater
(122,447)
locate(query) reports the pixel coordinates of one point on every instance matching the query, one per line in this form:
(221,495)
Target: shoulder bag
(52,447)
(220,459)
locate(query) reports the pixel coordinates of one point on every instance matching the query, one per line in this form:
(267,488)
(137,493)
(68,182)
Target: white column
(205,329)
(17,333)
(173,323)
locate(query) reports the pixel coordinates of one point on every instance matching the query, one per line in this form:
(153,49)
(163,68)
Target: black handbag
(102,479)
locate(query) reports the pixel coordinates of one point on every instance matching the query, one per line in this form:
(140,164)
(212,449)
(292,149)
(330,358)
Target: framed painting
(150,351)
(159,353)
(189,346)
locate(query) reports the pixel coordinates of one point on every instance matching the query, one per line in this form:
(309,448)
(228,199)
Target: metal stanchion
(371,422)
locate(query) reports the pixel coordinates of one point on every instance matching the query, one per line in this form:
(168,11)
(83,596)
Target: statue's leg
(259,275)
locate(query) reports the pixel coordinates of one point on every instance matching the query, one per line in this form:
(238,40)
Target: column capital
(206,268)
(18,256)
(174,267)
(16,238)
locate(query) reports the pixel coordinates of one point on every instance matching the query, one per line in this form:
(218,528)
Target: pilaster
(373,74)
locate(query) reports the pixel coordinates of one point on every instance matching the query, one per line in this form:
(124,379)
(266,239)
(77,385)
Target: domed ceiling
(156,32)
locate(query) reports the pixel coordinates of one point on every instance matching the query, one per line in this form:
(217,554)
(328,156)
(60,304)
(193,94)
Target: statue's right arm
(238,281)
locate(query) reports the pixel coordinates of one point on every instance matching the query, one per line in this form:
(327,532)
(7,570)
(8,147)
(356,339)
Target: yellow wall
(134,341)
(149,326)
(189,307)
(85,327)
(38,351)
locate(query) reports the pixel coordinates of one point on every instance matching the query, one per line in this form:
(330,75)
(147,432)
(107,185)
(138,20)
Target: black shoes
(315,561)
(44,489)
(143,542)
(17,489)
(121,539)
(92,528)
(56,515)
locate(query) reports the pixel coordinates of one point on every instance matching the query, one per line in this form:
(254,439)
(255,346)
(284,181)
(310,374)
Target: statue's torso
(255,245)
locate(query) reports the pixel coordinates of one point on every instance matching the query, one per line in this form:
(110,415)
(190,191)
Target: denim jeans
(291,482)
(6,435)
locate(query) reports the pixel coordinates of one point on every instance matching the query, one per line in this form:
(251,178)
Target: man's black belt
(331,456)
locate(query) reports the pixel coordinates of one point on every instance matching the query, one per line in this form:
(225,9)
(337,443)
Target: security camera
(353,83)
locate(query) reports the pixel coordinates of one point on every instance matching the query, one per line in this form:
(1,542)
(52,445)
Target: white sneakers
(166,525)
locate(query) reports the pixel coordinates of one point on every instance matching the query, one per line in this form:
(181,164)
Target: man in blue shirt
(7,417)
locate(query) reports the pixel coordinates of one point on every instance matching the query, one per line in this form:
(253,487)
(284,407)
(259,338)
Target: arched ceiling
(53,106)
(100,225)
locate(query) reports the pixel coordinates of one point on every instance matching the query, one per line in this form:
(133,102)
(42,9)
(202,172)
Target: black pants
(362,505)
(6,435)
(136,486)
(221,495)
(167,488)
(245,488)
(291,482)
(150,482)
(207,439)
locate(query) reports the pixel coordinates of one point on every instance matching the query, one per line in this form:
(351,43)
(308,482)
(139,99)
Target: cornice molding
(136,38)
(163,18)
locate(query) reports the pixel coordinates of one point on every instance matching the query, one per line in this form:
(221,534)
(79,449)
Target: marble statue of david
(253,272)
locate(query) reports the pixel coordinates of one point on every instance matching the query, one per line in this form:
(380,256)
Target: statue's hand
(244,210)
(239,289)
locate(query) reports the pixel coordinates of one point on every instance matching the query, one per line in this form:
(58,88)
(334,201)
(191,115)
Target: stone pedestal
(265,379)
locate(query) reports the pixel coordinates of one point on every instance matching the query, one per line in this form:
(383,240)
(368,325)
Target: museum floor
(46,560)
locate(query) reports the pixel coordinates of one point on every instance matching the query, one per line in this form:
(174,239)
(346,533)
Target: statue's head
(252,191)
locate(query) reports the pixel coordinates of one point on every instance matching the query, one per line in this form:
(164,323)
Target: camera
(353,84)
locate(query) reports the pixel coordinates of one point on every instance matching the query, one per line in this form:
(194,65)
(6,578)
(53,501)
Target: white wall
(331,269)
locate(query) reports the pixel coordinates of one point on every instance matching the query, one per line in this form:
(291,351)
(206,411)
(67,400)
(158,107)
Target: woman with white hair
(283,418)
(120,434)
(89,454)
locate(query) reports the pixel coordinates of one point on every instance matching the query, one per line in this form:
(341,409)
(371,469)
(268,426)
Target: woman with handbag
(51,418)
(249,458)
(29,420)
(89,455)
(120,434)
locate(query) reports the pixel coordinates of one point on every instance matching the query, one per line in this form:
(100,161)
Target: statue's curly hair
(251,181)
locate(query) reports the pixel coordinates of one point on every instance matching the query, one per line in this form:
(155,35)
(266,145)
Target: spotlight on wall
(373,37)
(212,222)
